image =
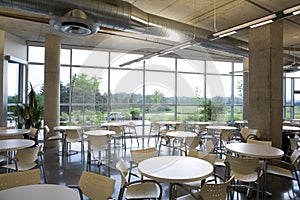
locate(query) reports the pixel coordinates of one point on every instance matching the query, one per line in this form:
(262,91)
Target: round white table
(219,128)
(291,128)
(181,134)
(15,144)
(264,152)
(64,128)
(99,132)
(13,132)
(255,150)
(175,169)
(40,191)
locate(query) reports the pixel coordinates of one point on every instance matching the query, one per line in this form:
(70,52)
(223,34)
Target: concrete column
(3,82)
(245,88)
(265,81)
(52,69)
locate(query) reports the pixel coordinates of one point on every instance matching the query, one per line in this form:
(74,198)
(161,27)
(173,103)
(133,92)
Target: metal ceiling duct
(83,17)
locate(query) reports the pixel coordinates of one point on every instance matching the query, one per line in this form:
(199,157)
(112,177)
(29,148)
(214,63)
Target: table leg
(109,157)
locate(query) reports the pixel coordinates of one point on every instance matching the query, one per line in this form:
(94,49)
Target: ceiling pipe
(122,16)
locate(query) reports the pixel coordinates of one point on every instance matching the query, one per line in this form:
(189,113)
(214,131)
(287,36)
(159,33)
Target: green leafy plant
(29,115)
(135,113)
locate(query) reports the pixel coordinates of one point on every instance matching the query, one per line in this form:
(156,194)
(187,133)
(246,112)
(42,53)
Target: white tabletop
(255,150)
(175,169)
(63,128)
(181,134)
(99,132)
(40,192)
(11,132)
(197,123)
(15,144)
(169,122)
(290,128)
(241,122)
(222,127)
(114,123)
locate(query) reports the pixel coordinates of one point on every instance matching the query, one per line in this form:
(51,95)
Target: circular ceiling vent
(74,22)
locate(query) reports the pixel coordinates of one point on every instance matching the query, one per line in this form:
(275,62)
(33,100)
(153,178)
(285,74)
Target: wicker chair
(95,186)
(211,158)
(140,189)
(130,132)
(74,136)
(154,132)
(285,169)
(138,156)
(190,143)
(245,170)
(26,159)
(51,135)
(15,179)
(262,142)
(97,145)
(217,191)
(33,135)
(165,141)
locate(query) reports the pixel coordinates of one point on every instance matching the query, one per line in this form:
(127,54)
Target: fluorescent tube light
(296,12)
(227,34)
(235,29)
(261,23)
(162,52)
(295,9)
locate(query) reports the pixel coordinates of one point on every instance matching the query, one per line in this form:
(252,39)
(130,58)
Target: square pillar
(265,81)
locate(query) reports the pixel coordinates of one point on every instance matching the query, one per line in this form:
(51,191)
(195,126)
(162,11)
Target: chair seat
(21,166)
(145,190)
(220,162)
(188,196)
(252,177)
(54,137)
(279,171)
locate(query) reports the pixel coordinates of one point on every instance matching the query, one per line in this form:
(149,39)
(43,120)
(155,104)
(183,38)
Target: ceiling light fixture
(256,23)
(162,52)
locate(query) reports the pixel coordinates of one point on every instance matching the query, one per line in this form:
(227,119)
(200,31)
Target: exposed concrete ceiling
(211,15)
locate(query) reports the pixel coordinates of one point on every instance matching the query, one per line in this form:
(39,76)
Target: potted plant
(29,115)
(135,113)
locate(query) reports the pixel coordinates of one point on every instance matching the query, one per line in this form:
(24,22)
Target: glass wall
(92,85)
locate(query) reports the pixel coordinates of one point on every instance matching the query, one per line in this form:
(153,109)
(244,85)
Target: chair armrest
(283,164)
(77,188)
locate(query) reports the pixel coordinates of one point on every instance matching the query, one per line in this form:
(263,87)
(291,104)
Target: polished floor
(66,170)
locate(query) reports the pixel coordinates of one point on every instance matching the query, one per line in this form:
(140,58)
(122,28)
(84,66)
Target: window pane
(13,74)
(126,90)
(160,92)
(36,76)
(36,54)
(121,58)
(159,63)
(190,88)
(65,55)
(86,96)
(238,90)
(195,66)
(218,67)
(89,58)
(218,86)
(288,87)
(64,85)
